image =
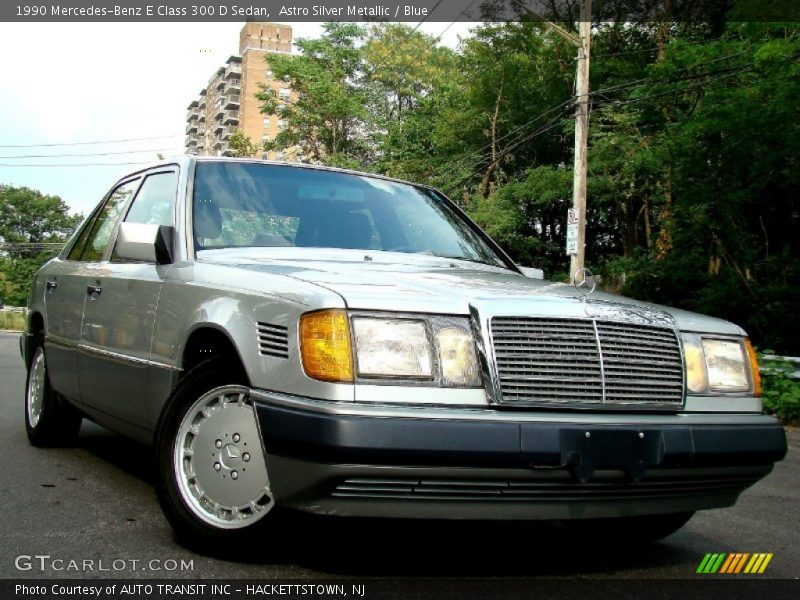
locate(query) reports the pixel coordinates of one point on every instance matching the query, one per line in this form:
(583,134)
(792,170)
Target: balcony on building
(234,86)
(192,126)
(218,127)
(231,117)
(232,101)
(233,69)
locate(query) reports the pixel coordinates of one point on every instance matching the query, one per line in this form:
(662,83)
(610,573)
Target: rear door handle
(51,285)
(93,289)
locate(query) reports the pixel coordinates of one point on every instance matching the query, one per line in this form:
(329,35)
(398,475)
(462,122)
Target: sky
(86,82)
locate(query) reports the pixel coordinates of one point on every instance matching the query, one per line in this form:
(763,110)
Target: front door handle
(51,285)
(93,290)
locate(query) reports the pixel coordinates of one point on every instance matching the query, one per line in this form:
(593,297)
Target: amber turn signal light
(751,353)
(325,346)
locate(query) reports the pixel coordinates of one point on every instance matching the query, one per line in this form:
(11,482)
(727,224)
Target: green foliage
(329,111)
(242,146)
(28,216)
(781,390)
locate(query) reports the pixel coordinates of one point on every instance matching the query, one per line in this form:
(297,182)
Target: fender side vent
(273,340)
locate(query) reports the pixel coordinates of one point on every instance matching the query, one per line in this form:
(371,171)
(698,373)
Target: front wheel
(213,484)
(49,420)
(643,529)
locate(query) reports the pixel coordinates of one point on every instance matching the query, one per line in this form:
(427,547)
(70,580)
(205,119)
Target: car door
(64,296)
(119,312)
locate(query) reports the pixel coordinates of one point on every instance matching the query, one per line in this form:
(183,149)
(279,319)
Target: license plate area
(630,450)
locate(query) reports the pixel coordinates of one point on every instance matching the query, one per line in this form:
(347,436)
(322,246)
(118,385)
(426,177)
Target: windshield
(239,204)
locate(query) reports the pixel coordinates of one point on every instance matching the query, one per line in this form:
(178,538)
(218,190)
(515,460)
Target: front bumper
(331,458)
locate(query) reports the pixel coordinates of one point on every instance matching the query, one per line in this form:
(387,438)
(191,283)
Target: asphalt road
(95,502)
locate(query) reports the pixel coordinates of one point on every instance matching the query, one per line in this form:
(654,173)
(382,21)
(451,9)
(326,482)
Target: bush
(781,391)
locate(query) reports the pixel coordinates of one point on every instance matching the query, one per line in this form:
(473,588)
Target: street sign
(572,231)
(572,216)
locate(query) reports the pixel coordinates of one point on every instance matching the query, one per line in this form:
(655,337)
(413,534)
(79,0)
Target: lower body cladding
(328,458)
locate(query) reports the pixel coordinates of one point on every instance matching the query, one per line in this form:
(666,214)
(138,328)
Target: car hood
(386,281)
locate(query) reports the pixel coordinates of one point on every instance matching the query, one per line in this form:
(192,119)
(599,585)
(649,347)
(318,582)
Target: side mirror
(145,243)
(531,272)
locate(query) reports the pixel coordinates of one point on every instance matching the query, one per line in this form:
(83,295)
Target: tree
(242,146)
(326,120)
(28,217)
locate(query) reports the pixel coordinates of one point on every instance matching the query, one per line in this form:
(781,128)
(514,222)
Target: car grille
(550,361)
(557,487)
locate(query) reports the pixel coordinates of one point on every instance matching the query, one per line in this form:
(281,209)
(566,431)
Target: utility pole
(581,137)
(576,220)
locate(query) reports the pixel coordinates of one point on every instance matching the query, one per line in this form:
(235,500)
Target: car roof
(188,159)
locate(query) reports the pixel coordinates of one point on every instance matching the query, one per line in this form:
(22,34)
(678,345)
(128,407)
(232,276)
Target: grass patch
(12,320)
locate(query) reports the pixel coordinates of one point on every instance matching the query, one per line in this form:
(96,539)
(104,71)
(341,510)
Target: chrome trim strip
(600,358)
(492,415)
(125,358)
(59,341)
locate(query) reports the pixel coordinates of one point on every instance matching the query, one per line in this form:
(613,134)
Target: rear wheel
(213,484)
(49,420)
(643,529)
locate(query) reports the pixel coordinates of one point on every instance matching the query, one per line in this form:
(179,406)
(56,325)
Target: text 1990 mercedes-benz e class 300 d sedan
(346,344)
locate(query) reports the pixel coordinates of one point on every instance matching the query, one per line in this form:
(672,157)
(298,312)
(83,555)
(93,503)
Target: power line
(653,49)
(453,22)
(151,150)
(49,165)
(600,92)
(715,75)
(117,141)
(451,166)
(671,79)
(514,145)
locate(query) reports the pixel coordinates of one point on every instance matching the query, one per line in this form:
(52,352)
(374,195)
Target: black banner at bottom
(461,588)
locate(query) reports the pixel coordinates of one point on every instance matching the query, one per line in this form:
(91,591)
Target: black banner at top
(413,11)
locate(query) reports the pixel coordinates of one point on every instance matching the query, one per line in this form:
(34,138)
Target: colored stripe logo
(734,563)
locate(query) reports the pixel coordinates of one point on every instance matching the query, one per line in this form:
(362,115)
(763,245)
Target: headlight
(435,350)
(457,357)
(726,365)
(717,365)
(392,348)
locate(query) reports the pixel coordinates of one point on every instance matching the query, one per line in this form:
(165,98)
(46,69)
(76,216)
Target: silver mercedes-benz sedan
(339,343)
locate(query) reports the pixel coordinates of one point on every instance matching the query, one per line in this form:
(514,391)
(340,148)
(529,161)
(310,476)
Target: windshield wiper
(465,258)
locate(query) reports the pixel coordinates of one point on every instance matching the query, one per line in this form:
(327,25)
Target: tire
(211,477)
(49,420)
(622,530)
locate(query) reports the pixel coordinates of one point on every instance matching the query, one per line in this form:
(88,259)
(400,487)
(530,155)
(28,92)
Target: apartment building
(228,103)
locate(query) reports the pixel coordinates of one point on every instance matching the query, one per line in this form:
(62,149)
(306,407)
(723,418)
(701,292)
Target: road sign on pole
(572,231)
